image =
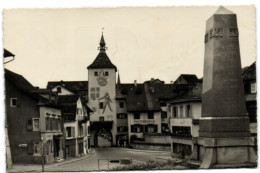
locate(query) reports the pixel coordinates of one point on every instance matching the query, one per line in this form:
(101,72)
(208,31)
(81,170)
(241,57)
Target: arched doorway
(103,138)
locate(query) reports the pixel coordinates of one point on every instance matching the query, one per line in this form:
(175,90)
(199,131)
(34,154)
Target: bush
(149,165)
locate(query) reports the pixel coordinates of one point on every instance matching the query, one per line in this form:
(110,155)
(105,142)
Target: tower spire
(118,79)
(102,45)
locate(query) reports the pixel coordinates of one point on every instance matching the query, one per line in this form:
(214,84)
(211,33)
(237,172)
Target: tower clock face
(102,81)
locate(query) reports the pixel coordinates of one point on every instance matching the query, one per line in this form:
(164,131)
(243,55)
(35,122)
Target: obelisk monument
(224,134)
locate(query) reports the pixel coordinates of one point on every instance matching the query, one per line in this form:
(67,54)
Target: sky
(143,42)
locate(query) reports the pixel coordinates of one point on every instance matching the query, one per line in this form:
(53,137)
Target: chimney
(171,82)
(135,83)
(152,79)
(36,87)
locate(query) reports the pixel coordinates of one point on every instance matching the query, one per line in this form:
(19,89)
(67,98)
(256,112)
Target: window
(121,104)
(95,73)
(106,73)
(13,102)
(59,124)
(150,115)
(101,119)
(29,124)
(253,87)
(122,116)
(136,128)
(175,111)
(163,114)
(181,131)
(79,111)
(70,132)
(150,129)
(80,131)
(59,89)
(137,115)
(94,92)
(101,105)
(36,148)
(181,111)
(188,111)
(36,124)
(122,129)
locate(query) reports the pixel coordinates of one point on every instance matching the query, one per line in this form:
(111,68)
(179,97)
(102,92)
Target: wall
(143,146)
(164,139)
(48,135)
(121,122)
(17,124)
(143,116)
(110,88)
(43,111)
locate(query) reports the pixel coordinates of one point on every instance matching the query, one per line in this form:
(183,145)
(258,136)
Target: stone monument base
(224,152)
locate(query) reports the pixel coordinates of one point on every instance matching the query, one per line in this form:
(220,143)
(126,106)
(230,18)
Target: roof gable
(73,86)
(187,79)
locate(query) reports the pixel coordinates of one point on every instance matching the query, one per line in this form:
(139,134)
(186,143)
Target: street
(91,163)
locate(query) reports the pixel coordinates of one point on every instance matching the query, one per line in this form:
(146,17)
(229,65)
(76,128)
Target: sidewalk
(38,167)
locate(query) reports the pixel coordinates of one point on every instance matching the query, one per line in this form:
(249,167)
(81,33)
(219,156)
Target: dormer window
(59,89)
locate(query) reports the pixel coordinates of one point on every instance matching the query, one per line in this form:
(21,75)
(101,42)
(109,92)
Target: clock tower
(102,97)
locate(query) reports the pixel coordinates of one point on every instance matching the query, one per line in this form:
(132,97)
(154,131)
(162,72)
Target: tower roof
(102,60)
(223,10)
(118,79)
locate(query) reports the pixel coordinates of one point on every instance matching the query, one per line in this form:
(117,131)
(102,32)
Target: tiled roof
(68,99)
(249,73)
(136,98)
(139,97)
(21,83)
(102,61)
(18,80)
(73,86)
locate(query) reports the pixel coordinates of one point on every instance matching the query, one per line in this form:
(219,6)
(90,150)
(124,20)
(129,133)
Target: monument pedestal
(225,152)
(230,127)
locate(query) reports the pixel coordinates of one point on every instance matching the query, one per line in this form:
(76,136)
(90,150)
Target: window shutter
(141,128)
(132,128)
(73,131)
(190,111)
(66,133)
(146,128)
(155,128)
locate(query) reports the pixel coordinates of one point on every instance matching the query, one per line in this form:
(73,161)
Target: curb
(71,161)
(139,150)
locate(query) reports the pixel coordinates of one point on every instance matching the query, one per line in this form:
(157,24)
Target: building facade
(76,125)
(28,135)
